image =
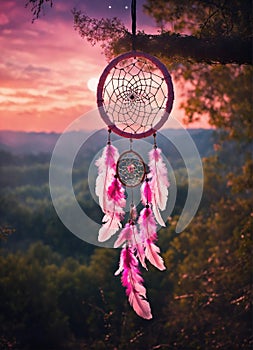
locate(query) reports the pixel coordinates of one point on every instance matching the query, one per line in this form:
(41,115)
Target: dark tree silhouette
(217,31)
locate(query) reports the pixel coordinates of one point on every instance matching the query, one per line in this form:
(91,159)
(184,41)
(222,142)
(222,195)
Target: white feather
(140,253)
(159,179)
(111,225)
(158,216)
(124,235)
(106,170)
(102,183)
(121,265)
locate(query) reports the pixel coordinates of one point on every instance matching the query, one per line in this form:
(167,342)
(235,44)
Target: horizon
(95,130)
(23,142)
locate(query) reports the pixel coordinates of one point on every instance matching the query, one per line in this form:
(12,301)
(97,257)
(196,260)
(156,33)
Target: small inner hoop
(135,95)
(130,169)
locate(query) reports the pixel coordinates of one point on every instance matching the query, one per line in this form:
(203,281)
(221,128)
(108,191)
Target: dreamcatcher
(135,97)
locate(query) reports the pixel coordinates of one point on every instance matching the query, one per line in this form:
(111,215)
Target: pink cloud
(44,68)
(3,19)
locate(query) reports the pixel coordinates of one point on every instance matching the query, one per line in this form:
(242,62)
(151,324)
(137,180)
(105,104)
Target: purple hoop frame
(169,103)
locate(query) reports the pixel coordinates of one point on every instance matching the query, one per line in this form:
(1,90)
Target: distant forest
(59,292)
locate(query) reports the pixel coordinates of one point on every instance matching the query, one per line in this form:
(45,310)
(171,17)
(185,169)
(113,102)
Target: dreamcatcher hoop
(135,95)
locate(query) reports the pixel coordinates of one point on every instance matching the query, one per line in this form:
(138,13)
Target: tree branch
(209,50)
(115,39)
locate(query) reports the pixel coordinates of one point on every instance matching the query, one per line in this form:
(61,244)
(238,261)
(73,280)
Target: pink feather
(146,194)
(147,224)
(157,215)
(106,170)
(130,235)
(116,193)
(111,224)
(121,264)
(112,219)
(140,253)
(125,235)
(152,254)
(159,183)
(136,243)
(132,280)
(110,193)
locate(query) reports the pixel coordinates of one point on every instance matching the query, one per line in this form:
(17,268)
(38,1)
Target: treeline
(58,292)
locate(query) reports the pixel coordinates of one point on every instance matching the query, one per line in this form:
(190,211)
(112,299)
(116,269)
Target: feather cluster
(139,244)
(138,241)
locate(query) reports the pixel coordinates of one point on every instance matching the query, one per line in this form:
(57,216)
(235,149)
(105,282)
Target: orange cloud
(44,69)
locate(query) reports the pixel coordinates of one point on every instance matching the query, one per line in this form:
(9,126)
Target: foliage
(196,31)
(37,6)
(99,30)
(214,274)
(203,18)
(5,232)
(61,293)
(224,93)
(203,300)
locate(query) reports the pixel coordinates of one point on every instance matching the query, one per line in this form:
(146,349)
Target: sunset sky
(45,66)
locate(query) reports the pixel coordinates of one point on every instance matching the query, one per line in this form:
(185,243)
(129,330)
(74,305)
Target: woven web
(135,94)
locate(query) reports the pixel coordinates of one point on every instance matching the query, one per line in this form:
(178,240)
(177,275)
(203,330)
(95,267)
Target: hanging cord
(130,144)
(133,14)
(155,144)
(147,180)
(109,136)
(132,217)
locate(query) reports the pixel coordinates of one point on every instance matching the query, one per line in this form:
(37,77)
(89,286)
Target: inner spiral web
(130,169)
(134,95)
